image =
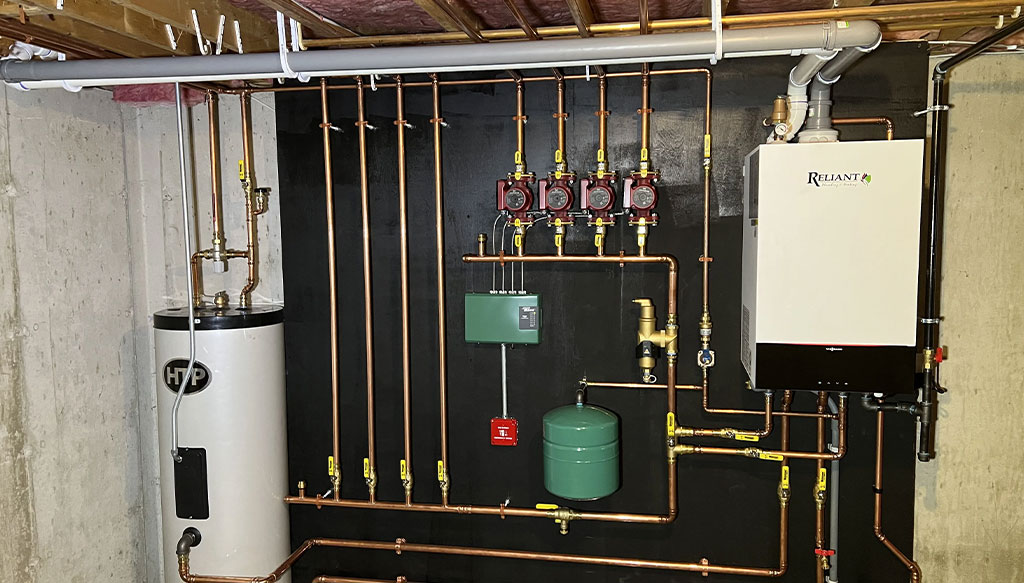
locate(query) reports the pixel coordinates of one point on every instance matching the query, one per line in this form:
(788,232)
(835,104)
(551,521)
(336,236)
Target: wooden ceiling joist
(310,20)
(582,15)
(258,35)
(453,17)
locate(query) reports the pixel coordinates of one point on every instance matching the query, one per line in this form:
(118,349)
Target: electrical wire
(188,269)
(494,266)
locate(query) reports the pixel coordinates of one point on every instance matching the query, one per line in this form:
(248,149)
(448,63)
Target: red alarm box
(504,431)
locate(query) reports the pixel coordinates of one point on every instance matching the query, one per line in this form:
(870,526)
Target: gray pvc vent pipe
(495,56)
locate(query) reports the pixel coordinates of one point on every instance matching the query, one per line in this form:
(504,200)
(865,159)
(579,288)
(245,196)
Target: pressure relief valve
(650,341)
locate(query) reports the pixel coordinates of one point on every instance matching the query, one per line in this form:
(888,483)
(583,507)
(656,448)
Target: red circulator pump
(598,190)
(640,195)
(515,191)
(556,195)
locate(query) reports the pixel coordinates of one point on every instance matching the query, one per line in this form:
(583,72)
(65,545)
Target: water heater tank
(232,477)
(581,452)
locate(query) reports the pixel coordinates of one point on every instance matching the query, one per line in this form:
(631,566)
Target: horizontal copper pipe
(489,81)
(499,511)
(882,120)
(883,13)
(733,433)
(330,579)
(400,546)
(604,385)
(757,452)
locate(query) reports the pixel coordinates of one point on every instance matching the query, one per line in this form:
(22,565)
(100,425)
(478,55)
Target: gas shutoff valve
(650,341)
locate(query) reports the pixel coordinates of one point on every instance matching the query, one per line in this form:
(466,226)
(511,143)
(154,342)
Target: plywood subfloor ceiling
(138,28)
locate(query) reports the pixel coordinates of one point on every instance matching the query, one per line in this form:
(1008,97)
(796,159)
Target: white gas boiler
(831,247)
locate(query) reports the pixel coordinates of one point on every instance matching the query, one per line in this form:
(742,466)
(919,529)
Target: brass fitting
(445,485)
(705,356)
(563,516)
(183,567)
(819,496)
(648,337)
(481,244)
(780,110)
(407,485)
(929,359)
(724,433)
(302,489)
(784,491)
(371,481)
(823,559)
(684,449)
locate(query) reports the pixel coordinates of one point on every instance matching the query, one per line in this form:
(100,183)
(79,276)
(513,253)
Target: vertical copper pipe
(252,250)
(784,495)
(819,494)
(561,115)
(602,116)
(364,197)
(212,102)
(403,220)
(645,112)
(911,565)
(325,126)
(520,123)
(644,18)
(706,257)
(442,316)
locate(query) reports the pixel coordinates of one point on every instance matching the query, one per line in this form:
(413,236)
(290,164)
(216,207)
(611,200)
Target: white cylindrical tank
(233,476)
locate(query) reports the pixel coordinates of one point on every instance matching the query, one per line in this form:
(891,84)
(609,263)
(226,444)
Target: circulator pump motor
(515,197)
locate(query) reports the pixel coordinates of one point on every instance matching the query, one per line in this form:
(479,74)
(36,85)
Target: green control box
(503,318)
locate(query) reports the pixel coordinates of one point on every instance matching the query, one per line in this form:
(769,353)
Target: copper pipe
(732,433)
(819,496)
(915,570)
(403,220)
(610,385)
(400,546)
(770,454)
(249,185)
(453,83)
(645,26)
(330,579)
(645,112)
(520,126)
(561,117)
(442,314)
(708,409)
(500,511)
(937,9)
(325,128)
(706,258)
(602,117)
(882,120)
(197,278)
(212,102)
(364,198)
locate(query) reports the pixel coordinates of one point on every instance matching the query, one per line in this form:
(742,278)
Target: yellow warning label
(547,507)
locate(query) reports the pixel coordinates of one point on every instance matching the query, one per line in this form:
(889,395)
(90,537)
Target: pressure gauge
(643,197)
(600,198)
(515,199)
(557,198)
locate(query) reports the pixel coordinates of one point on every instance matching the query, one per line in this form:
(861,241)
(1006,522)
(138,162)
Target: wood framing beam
(853,3)
(582,15)
(72,46)
(453,17)
(106,41)
(531,32)
(310,20)
(118,19)
(953,33)
(258,35)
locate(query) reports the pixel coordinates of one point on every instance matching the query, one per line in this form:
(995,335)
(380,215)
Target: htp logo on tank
(174,374)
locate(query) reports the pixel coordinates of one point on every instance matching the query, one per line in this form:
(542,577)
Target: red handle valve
(824,552)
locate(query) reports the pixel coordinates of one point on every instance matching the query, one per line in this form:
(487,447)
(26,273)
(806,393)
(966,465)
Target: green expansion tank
(581,452)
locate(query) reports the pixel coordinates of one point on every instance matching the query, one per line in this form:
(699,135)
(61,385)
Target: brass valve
(650,340)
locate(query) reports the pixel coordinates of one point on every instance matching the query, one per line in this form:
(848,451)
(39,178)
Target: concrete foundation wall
(90,247)
(969,520)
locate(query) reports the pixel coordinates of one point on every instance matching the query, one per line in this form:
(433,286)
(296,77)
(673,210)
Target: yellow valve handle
(440,471)
(598,240)
(366,468)
(519,241)
(558,174)
(822,479)
(707,145)
(519,157)
(670,424)
(772,457)
(558,157)
(241,169)
(785,477)
(600,221)
(600,173)
(643,154)
(558,240)
(330,465)
(518,223)
(402,469)
(746,437)
(600,156)
(558,222)
(547,507)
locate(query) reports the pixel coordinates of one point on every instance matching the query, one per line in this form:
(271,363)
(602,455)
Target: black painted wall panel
(728,507)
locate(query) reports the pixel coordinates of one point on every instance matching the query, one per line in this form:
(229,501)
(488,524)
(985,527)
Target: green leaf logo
(866,178)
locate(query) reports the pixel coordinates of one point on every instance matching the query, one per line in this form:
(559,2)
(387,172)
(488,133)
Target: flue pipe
(325,126)
(812,38)
(403,227)
(370,473)
(442,315)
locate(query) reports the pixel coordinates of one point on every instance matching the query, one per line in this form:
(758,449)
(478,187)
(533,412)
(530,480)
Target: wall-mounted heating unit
(831,242)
